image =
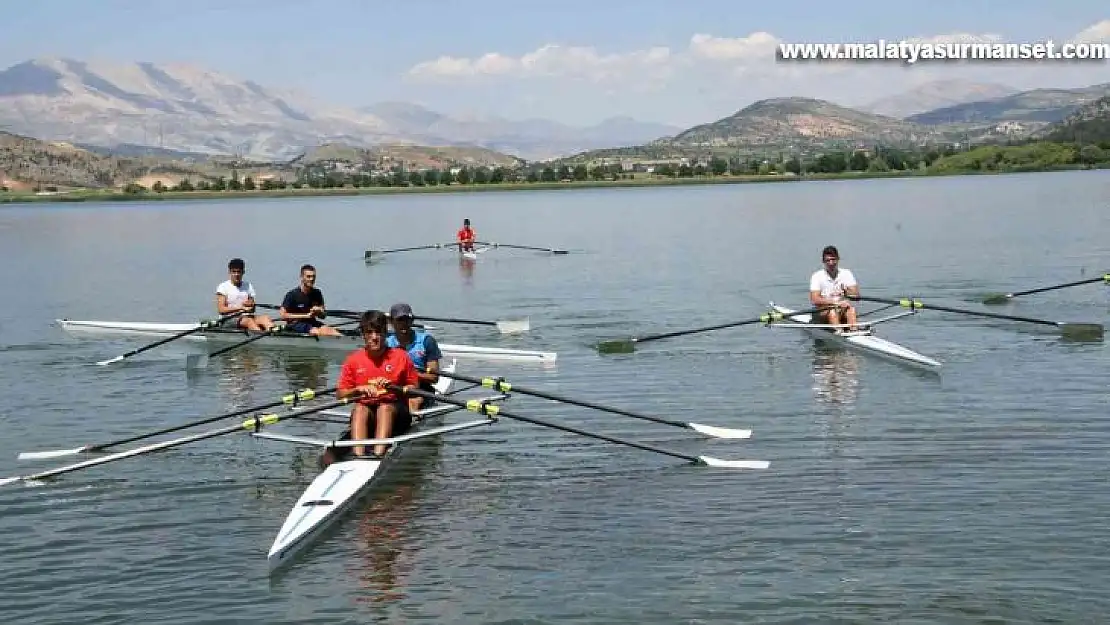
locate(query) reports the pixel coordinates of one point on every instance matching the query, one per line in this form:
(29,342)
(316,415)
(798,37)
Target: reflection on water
(835,376)
(466,268)
(384,528)
(305,370)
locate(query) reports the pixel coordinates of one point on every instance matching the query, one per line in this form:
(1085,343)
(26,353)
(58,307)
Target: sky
(571,61)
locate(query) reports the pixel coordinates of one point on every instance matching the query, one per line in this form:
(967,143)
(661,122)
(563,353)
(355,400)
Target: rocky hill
(1088,124)
(936,94)
(801,122)
(1039,106)
(411,156)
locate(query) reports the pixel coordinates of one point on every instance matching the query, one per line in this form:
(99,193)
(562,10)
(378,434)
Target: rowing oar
(500,385)
(253,424)
(504,326)
(200,361)
(523,247)
(484,407)
(292,399)
(1068,329)
(1002,298)
(627,346)
(203,325)
(435,246)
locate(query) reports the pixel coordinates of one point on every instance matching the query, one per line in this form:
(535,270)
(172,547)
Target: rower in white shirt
(236,294)
(830,287)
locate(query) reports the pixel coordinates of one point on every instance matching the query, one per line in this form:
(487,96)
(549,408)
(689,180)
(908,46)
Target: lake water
(976,495)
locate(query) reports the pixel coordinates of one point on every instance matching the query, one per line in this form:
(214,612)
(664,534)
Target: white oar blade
(734,464)
(110,361)
(8,480)
(719,432)
(196,361)
(51,453)
(514,326)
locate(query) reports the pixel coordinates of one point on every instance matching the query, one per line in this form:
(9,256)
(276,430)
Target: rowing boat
(473,254)
(863,339)
(344,482)
(280,340)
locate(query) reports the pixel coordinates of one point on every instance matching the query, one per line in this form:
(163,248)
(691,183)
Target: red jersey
(395,366)
(465,235)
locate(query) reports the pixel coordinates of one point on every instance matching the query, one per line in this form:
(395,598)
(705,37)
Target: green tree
(666,169)
(463,176)
(234,185)
(158,187)
(184,185)
(793,165)
(685,171)
(580,173)
(248,184)
(548,175)
(718,166)
(1091,154)
(564,172)
(481,175)
(532,176)
(859,161)
(446,177)
(416,179)
(497,176)
(220,184)
(431,177)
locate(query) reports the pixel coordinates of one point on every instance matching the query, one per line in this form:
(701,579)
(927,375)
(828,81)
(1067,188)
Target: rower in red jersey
(465,237)
(366,372)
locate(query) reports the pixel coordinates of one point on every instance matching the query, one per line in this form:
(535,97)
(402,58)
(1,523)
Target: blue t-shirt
(422,349)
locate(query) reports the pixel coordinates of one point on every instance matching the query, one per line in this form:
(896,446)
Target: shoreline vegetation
(857,165)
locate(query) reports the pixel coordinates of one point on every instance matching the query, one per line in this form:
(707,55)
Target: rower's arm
(430,374)
(222,307)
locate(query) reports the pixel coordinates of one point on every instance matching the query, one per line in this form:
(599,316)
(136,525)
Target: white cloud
(712,72)
(1095,33)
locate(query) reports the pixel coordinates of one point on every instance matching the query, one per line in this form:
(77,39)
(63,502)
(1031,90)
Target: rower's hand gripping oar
(500,385)
(627,346)
(550,250)
(254,424)
(1078,331)
(203,325)
(292,399)
(1002,298)
(493,411)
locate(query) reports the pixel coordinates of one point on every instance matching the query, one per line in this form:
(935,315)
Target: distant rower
(465,237)
(829,287)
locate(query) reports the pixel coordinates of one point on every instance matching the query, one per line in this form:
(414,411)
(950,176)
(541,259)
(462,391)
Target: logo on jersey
(389,368)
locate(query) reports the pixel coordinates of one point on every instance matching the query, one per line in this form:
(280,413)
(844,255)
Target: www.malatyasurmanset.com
(910,52)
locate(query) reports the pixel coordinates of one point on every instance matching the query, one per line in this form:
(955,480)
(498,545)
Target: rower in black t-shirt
(303,307)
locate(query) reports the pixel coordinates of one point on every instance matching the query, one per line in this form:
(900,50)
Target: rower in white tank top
(236,294)
(832,286)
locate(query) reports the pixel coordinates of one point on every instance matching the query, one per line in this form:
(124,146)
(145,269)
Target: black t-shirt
(297,302)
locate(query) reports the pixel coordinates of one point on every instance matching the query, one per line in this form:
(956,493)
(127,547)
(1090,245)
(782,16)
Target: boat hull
(337,488)
(226,336)
(865,341)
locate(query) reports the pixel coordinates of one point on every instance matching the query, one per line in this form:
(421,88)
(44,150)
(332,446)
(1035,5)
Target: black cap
(400,310)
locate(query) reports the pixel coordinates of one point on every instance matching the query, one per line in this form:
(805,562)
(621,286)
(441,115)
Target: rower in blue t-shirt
(421,347)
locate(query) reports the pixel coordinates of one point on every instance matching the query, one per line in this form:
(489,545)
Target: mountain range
(191,109)
(143,109)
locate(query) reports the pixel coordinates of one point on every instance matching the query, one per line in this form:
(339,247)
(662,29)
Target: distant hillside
(937,94)
(533,139)
(413,156)
(800,122)
(1090,123)
(27,163)
(1044,106)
